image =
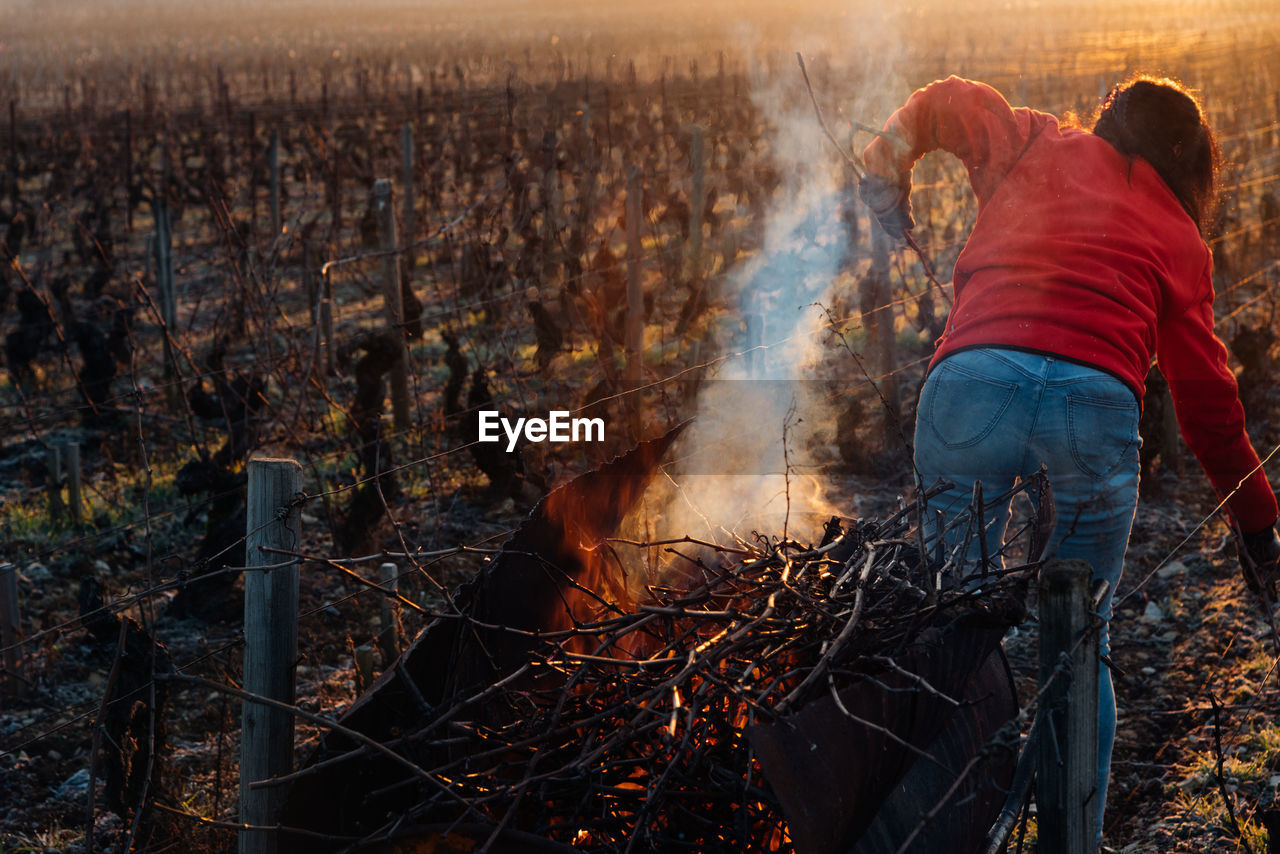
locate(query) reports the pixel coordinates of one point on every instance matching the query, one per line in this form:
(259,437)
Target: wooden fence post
(635,299)
(72,461)
(164,264)
(326,319)
(551,204)
(311,283)
(13,153)
(10,628)
(163,246)
(1066,794)
(273,165)
(394,300)
(270,643)
(333,176)
(251,146)
(407,161)
(364,668)
(388,635)
(608,125)
(224,99)
(128,172)
(316,285)
(53,482)
(697,204)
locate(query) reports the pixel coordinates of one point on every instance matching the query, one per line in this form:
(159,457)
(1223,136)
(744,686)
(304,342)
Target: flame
(591,588)
(588,545)
(675,711)
(600,580)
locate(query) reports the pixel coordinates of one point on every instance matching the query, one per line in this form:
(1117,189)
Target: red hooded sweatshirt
(1081,252)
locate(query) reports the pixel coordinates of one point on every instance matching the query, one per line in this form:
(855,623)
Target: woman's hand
(890,201)
(1260,562)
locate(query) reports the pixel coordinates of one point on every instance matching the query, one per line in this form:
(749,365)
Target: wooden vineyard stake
(224,99)
(10,629)
(364,668)
(394,300)
(273,166)
(163,248)
(128,172)
(635,300)
(72,461)
(316,281)
(550,203)
(388,615)
(13,153)
(333,178)
(164,265)
(310,283)
(608,125)
(1066,794)
(326,320)
(407,161)
(270,643)
(250,147)
(53,483)
(697,204)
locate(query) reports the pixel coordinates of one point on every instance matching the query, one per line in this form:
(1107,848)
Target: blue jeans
(995,416)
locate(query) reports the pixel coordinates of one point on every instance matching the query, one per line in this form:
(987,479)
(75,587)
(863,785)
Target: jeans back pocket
(963,407)
(1102,432)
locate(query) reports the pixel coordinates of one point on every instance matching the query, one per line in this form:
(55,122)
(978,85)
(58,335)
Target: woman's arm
(1207,403)
(968,119)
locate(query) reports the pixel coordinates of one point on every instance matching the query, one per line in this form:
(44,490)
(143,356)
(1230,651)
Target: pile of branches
(632,730)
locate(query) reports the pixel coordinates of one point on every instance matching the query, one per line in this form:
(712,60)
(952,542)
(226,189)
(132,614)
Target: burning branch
(687,717)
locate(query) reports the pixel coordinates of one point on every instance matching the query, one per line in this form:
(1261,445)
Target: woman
(1086,261)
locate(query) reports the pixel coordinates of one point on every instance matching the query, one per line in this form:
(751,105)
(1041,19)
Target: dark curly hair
(1160,121)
